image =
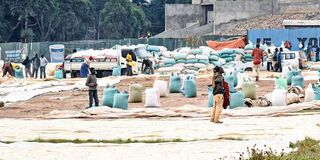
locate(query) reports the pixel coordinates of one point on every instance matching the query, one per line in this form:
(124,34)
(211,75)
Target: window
(289,56)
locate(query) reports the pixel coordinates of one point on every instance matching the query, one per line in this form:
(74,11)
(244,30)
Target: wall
(178,15)
(276,36)
(228,10)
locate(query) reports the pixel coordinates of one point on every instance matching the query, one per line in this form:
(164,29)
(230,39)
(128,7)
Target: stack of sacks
(214,59)
(195,61)
(166,55)
(181,59)
(169,62)
(152,48)
(248,48)
(247,57)
(228,54)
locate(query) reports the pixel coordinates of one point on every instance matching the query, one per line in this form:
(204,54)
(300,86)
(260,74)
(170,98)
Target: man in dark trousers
(92,84)
(35,66)
(27,66)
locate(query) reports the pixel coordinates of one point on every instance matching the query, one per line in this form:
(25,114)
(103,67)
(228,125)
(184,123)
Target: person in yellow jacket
(130,63)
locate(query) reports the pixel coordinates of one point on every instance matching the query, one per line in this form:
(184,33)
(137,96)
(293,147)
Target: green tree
(122,19)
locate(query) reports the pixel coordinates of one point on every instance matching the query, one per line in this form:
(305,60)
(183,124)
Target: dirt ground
(78,99)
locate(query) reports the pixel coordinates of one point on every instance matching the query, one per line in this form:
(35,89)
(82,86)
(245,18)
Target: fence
(17,51)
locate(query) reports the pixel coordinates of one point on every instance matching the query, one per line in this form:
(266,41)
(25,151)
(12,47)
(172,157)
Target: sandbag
(18,73)
(175,84)
(162,86)
(196,51)
(180,56)
(181,61)
(281,83)
(227,51)
(202,57)
(190,87)
(192,61)
(152,48)
(152,98)
(309,94)
(213,57)
(58,74)
(249,46)
(229,80)
(236,100)
(170,61)
(116,71)
(121,100)
(228,59)
(108,95)
(290,74)
(298,81)
(279,97)
(200,65)
(191,56)
(216,63)
(249,90)
(135,93)
(206,62)
(189,65)
(166,54)
(210,97)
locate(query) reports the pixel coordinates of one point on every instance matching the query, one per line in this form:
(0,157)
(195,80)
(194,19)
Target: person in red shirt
(257,60)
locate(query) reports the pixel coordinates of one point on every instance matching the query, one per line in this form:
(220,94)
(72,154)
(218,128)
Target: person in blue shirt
(279,60)
(84,70)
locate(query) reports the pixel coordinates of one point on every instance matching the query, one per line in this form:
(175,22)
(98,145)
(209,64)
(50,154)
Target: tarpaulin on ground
(237,43)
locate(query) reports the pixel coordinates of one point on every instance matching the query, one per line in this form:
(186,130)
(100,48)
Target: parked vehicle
(104,65)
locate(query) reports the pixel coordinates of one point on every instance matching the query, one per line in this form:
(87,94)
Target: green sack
(121,101)
(210,97)
(229,80)
(58,74)
(108,95)
(116,71)
(175,84)
(236,100)
(213,57)
(206,62)
(190,87)
(192,61)
(249,90)
(18,73)
(170,61)
(298,81)
(281,83)
(181,61)
(135,93)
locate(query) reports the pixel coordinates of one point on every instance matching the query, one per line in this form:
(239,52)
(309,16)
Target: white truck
(104,65)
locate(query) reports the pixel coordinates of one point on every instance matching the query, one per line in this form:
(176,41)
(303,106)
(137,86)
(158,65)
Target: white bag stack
(279,97)
(309,94)
(162,86)
(152,97)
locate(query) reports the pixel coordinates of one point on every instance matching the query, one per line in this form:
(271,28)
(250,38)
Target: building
(204,17)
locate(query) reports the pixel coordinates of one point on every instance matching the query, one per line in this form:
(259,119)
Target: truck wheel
(124,72)
(248,69)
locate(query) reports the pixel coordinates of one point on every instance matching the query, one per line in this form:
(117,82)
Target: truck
(104,65)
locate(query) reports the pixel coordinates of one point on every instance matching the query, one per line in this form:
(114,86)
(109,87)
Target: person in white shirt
(43,64)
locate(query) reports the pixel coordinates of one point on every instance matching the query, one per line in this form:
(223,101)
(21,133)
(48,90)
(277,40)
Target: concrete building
(211,16)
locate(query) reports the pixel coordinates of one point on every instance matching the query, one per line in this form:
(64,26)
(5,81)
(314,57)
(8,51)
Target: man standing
(43,64)
(257,55)
(27,66)
(270,59)
(92,84)
(218,91)
(129,64)
(35,66)
(279,61)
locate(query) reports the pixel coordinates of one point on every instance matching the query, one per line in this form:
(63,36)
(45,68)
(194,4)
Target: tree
(122,19)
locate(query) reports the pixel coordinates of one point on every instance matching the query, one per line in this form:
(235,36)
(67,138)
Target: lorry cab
(139,54)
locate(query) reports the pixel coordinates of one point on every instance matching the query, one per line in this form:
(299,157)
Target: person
(7,68)
(218,91)
(274,59)
(269,62)
(147,64)
(317,54)
(84,70)
(27,66)
(257,54)
(43,64)
(309,52)
(129,63)
(92,84)
(279,61)
(35,66)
